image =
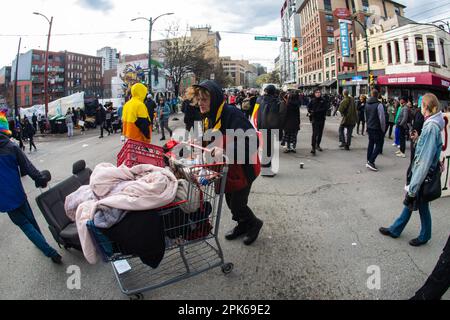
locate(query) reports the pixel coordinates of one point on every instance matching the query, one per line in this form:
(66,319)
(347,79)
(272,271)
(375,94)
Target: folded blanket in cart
(143,187)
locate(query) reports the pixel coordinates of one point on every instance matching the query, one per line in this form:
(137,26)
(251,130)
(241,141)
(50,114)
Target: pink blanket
(143,187)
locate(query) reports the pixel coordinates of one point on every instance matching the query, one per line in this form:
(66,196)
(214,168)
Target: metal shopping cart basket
(192,244)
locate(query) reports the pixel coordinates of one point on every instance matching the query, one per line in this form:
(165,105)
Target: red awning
(411,79)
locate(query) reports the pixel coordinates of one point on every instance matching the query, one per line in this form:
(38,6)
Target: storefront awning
(328,83)
(414,79)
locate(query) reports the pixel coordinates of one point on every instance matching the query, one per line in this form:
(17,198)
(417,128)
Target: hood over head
(139,91)
(216,94)
(372,100)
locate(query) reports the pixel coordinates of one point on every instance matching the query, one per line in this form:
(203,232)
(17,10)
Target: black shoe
(253,232)
(347,148)
(101,137)
(313,152)
(293,151)
(371,166)
(238,231)
(387,232)
(56,259)
(319,148)
(342,145)
(417,243)
(162,139)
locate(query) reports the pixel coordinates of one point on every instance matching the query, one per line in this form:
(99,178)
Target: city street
(319,238)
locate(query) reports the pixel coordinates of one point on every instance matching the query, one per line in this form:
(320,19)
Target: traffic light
(371,80)
(295,44)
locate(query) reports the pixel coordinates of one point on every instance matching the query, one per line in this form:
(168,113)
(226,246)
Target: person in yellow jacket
(135,117)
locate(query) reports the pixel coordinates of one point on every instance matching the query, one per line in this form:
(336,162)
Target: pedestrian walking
(100,118)
(163,111)
(14,164)
(219,116)
(108,119)
(42,122)
(375,128)
(361,114)
(317,111)
(439,281)
(391,118)
(29,131)
(426,161)
(191,114)
(69,123)
(348,111)
(292,123)
(34,121)
(402,123)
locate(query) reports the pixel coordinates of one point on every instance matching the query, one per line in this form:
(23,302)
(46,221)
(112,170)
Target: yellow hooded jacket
(135,118)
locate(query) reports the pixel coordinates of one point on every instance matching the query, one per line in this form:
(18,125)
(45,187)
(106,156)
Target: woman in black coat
(292,123)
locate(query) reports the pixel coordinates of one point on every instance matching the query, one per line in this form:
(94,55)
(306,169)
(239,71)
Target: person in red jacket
(219,116)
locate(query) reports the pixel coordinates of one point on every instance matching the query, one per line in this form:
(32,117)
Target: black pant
(237,202)
(317,127)
(402,136)
(32,143)
(390,127)
(376,138)
(267,148)
(346,139)
(439,280)
(102,127)
(363,127)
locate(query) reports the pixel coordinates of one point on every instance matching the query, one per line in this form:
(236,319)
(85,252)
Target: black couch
(51,204)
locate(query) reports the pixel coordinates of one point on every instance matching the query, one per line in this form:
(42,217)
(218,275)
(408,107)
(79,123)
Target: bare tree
(184,56)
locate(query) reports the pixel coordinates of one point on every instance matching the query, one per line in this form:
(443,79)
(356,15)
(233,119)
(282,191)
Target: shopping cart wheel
(138,296)
(227,268)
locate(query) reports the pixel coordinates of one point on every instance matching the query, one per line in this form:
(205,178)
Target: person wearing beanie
(15,164)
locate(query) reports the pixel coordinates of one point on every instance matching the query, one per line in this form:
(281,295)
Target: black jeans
(390,127)
(316,139)
(346,138)
(439,280)
(402,136)
(363,123)
(32,143)
(238,204)
(376,138)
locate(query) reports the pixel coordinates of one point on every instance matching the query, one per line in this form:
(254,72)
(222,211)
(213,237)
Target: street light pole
(364,27)
(16,106)
(151,22)
(50,22)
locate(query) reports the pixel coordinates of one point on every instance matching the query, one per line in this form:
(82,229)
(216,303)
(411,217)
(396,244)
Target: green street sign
(266,38)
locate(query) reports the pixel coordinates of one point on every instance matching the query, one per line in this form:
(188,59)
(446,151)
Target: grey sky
(108,18)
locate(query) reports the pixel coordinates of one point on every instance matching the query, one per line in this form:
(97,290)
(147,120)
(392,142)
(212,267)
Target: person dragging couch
(15,164)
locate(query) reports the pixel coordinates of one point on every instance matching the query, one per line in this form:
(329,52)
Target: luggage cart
(192,244)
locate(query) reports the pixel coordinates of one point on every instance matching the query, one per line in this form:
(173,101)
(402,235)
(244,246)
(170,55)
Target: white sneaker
(401,155)
(394,144)
(397,152)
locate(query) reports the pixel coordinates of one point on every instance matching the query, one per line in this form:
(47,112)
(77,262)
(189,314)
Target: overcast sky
(113,16)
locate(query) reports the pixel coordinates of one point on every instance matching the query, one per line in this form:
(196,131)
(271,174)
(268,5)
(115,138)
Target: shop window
(397,52)
(380,53)
(407,50)
(420,49)
(431,49)
(374,55)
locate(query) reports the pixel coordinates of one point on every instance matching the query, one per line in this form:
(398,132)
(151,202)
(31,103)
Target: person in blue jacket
(14,164)
(163,111)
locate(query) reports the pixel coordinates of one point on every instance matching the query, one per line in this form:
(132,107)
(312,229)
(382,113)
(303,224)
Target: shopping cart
(191,240)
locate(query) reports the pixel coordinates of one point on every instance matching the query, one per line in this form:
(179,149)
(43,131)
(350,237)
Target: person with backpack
(376,125)
(248,104)
(426,163)
(348,111)
(15,164)
(271,116)
(317,111)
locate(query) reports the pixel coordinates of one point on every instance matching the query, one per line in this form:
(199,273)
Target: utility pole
(16,107)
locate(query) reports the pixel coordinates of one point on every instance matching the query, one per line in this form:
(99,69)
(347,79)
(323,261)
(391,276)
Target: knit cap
(4,125)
